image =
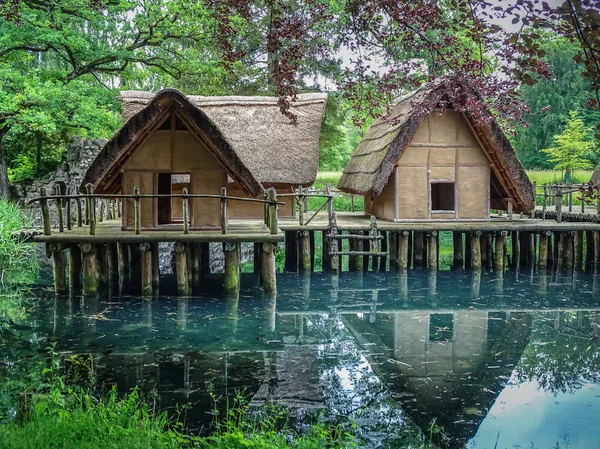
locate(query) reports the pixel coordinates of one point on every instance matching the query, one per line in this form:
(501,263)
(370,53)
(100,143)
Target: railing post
(300,206)
(272,197)
(534,199)
(583,199)
(45,212)
(330,198)
(223,210)
(186,212)
(68,211)
(79,212)
(59,208)
(137,210)
(91,208)
(545,201)
(558,203)
(570,201)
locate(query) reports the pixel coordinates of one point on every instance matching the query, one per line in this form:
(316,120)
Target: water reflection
(494,361)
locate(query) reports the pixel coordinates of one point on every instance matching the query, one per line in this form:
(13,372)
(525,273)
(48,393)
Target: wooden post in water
(326,250)
(273,222)
(457,242)
(336,265)
(155,266)
(74,267)
(418,261)
(123,263)
(291,251)
(403,258)
(393,250)
(561,259)
(268,271)
(146,265)
(181,269)
(432,259)
(476,251)
(543,251)
(578,251)
(569,251)
(304,247)
(589,250)
(499,252)
(59,264)
(231,283)
(204,259)
(384,249)
(91,208)
(91,269)
(516,250)
(311,238)
(45,212)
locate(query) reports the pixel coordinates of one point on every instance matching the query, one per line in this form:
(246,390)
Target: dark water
(469,361)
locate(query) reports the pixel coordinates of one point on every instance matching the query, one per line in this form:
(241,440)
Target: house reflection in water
(446,368)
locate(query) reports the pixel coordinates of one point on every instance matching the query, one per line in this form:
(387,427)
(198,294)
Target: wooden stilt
(311,237)
(204,259)
(543,251)
(516,250)
(188,259)
(146,265)
(91,269)
(476,251)
(74,267)
(589,250)
(561,259)
(467,251)
(411,239)
(365,246)
(326,256)
(382,261)
(304,251)
(393,250)
(196,261)
(489,249)
(578,251)
(457,241)
(268,272)
(418,261)
(597,248)
(181,268)
(59,264)
(291,252)
(432,257)
(531,237)
(155,266)
(231,282)
(123,263)
(499,252)
(569,251)
(403,243)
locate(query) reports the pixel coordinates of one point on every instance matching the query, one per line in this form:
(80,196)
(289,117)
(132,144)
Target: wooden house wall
(442,149)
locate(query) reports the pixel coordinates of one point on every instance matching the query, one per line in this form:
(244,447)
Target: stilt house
(171,141)
(415,164)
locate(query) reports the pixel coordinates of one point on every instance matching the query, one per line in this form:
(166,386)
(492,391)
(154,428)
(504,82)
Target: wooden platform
(357,221)
(111,232)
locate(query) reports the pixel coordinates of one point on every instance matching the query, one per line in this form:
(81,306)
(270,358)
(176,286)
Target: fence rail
(561,195)
(112,206)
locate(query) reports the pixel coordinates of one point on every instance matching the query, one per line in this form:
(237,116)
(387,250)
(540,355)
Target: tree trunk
(4,184)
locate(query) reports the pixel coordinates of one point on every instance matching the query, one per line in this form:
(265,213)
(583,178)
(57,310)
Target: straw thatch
(374,159)
(276,151)
(104,170)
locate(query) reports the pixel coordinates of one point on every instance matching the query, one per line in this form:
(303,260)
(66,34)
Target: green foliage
(17,260)
(573,148)
(550,102)
(342,202)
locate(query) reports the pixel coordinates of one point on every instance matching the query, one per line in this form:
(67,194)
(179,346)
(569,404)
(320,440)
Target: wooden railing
(301,196)
(560,195)
(112,205)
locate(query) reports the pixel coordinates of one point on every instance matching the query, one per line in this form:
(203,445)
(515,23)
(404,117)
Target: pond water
(467,361)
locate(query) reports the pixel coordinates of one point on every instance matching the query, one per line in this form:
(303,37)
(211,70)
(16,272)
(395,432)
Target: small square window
(442,196)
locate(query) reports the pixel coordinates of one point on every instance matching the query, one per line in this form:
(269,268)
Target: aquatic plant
(17,259)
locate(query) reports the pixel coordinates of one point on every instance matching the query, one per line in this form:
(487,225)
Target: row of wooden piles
(95,267)
(565,251)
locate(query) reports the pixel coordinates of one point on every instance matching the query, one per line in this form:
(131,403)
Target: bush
(17,259)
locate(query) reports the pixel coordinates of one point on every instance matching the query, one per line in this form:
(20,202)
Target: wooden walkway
(111,232)
(357,221)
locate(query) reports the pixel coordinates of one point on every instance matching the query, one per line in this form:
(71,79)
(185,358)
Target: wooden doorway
(170,210)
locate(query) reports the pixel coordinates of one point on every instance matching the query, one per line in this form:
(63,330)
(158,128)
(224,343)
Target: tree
(56,55)
(550,101)
(573,147)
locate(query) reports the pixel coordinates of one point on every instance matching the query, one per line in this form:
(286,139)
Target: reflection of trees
(564,351)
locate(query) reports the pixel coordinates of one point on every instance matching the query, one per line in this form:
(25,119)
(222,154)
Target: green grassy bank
(17,259)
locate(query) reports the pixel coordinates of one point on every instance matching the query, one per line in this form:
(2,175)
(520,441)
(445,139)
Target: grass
(71,418)
(17,260)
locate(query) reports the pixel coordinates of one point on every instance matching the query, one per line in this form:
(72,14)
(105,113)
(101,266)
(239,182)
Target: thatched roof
(374,158)
(275,151)
(105,169)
